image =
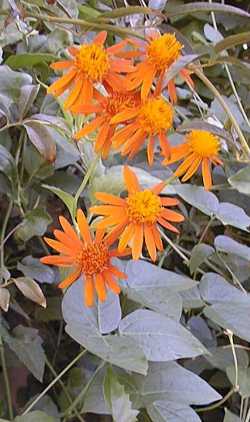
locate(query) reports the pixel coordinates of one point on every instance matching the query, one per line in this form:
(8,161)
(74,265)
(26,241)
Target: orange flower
(135,217)
(145,121)
(88,257)
(200,148)
(90,64)
(105,109)
(158,54)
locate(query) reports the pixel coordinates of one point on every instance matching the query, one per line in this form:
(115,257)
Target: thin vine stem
(87,25)
(231,340)
(55,380)
(230,76)
(218,404)
(4,227)
(6,380)
(80,396)
(213,89)
(68,396)
(85,180)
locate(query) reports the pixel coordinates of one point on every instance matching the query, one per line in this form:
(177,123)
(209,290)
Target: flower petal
(58,246)
(58,260)
(126,236)
(88,291)
(100,287)
(88,128)
(68,229)
(70,279)
(111,283)
(100,38)
(131,180)
(167,225)
(59,86)
(83,226)
(150,242)
(206,174)
(110,199)
(137,241)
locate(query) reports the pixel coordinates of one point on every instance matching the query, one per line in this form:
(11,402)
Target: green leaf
(177,66)
(33,268)
(230,417)
(243,380)
(31,290)
(167,411)
(36,416)
(109,313)
(118,400)
(83,327)
(27,345)
(7,163)
(161,338)
(199,254)
(232,41)
(29,60)
(4,299)
(35,223)
(195,7)
(67,199)
(142,276)
(231,316)
(228,214)
(12,88)
(155,288)
(86,12)
(170,381)
(40,136)
(230,306)
(215,289)
(96,390)
(222,358)
(241,180)
(230,246)
(198,124)
(126,11)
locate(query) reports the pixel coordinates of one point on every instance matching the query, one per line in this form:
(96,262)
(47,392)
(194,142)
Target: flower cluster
(122,90)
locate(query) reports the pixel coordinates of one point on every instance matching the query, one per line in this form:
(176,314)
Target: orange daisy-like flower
(158,54)
(90,64)
(200,148)
(135,218)
(89,257)
(105,108)
(152,118)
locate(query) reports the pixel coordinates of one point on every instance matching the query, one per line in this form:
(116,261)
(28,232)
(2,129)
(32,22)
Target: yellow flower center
(94,258)
(156,115)
(164,51)
(93,60)
(203,143)
(143,207)
(118,101)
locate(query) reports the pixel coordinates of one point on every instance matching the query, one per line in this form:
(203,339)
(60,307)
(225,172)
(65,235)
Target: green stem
(231,340)
(80,396)
(211,87)
(5,223)
(86,178)
(230,76)
(181,254)
(6,380)
(210,222)
(67,395)
(87,25)
(219,403)
(55,380)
